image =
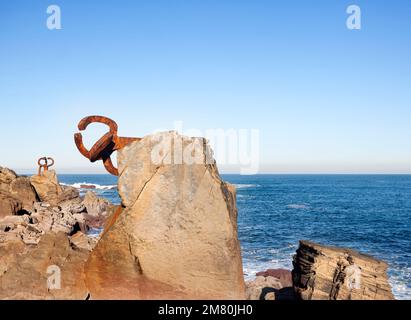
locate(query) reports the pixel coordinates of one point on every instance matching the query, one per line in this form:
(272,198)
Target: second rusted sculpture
(105,146)
(44,164)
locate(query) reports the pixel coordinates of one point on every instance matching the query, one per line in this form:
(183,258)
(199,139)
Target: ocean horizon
(370,213)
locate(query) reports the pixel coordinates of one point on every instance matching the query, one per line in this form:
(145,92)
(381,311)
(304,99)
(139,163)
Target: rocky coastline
(174,236)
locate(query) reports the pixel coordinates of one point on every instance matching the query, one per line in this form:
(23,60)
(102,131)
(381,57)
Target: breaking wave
(244,186)
(85,185)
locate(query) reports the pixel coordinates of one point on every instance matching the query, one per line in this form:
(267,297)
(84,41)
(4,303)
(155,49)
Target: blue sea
(369,213)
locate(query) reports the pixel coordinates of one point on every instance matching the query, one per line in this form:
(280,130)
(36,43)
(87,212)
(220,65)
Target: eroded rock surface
(38,239)
(16,193)
(272,284)
(330,273)
(281,274)
(26,270)
(263,288)
(49,190)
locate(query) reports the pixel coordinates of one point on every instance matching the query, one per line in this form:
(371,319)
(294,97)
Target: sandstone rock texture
(49,190)
(263,288)
(176,236)
(97,210)
(272,284)
(283,275)
(24,274)
(37,238)
(95,206)
(16,193)
(330,273)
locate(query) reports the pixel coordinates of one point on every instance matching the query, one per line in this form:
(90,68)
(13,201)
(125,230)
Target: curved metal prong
(102,148)
(83,124)
(52,162)
(39,161)
(109,166)
(78,139)
(105,146)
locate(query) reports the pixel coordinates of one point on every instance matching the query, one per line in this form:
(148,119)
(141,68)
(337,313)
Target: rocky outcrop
(95,206)
(263,288)
(330,273)
(9,205)
(272,284)
(7,176)
(16,193)
(97,210)
(39,239)
(176,236)
(49,190)
(29,228)
(82,241)
(283,275)
(53,269)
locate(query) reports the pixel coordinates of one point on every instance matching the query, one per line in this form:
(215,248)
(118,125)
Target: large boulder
(49,190)
(22,190)
(263,288)
(16,193)
(330,273)
(281,274)
(96,210)
(6,177)
(9,205)
(95,206)
(176,235)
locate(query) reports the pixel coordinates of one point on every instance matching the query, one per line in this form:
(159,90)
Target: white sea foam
(85,185)
(252,267)
(400,288)
(243,186)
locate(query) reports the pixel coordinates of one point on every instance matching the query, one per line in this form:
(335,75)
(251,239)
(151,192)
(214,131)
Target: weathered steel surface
(44,163)
(105,146)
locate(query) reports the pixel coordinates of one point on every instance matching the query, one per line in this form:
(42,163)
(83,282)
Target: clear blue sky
(325,99)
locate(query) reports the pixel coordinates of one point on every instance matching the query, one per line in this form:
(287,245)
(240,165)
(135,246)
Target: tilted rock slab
(177,234)
(330,273)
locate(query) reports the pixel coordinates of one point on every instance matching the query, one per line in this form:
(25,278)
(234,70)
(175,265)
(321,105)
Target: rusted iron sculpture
(44,163)
(105,146)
